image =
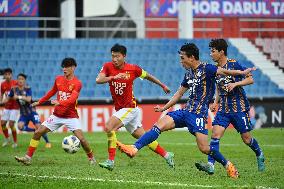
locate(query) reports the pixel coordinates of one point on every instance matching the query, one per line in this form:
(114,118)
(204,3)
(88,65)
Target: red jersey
(5,89)
(67,94)
(122,89)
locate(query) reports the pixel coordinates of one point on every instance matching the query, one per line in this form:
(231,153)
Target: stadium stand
(40,60)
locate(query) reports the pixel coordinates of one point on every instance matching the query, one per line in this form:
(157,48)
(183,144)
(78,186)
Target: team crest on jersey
(71,87)
(127,75)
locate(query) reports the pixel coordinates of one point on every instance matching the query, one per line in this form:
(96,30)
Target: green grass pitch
(53,168)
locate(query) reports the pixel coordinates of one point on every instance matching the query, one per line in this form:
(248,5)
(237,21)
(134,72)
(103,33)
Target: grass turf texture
(53,168)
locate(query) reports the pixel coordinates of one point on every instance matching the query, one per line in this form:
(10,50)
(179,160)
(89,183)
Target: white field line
(126,181)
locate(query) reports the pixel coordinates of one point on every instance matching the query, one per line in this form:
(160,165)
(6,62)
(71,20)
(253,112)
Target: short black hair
(190,49)
(68,62)
(23,75)
(118,48)
(8,70)
(219,44)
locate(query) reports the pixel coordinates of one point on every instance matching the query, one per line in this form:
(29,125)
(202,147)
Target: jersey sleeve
(28,92)
(238,66)
(105,70)
(139,72)
(211,70)
(184,82)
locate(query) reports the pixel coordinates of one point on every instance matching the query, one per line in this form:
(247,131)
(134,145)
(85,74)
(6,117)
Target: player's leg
(201,140)
(13,119)
(33,145)
(79,134)
(155,147)
(34,117)
(165,123)
(23,124)
(4,119)
(242,124)
(116,121)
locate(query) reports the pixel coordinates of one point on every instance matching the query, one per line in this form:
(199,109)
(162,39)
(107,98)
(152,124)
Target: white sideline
(128,182)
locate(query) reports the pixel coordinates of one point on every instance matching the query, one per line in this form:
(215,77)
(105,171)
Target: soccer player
(23,95)
(234,106)
(11,108)
(67,88)
(120,76)
(200,81)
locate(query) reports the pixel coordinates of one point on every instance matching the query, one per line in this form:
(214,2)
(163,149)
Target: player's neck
(222,61)
(21,87)
(69,77)
(195,65)
(8,80)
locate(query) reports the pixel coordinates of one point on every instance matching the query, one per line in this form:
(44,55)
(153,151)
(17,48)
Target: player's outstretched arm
(177,96)
(48,95)
(153,79)
(247,81)
(222,71)
(102,78)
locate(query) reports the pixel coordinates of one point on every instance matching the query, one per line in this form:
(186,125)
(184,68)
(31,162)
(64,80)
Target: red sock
(161,151)
(111,153)
(14,133)
(90,155)
(5,132)
(31,151)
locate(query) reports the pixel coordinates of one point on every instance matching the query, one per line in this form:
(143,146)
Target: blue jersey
(201,85)
(236,100)
(25,107)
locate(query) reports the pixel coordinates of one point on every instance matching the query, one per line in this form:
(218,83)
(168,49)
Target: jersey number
(118,87)
(244,118)
(199,122)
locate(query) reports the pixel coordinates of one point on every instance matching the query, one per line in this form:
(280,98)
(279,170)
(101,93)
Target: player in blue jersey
(23,95)
(200,81)
(233,106)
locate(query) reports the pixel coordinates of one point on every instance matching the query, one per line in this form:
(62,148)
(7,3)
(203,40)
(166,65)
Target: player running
(67,88)
(234,106)
(200,81)
(120,76)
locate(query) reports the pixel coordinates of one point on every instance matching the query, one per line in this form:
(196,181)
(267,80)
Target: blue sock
(45,138)
(214,144)
(255,147)
(148,137)
(218,156)
(27,129)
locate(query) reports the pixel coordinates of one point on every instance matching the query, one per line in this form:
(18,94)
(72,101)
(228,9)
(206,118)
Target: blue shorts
(33,117)
(193,122)
(240,121)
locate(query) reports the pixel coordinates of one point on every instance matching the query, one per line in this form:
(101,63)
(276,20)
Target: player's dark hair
(8,70)
(22,75)
(68,62)
(219,44)
(119,48)
(190,49)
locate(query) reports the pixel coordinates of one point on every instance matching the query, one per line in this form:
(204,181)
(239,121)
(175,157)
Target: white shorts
(130,117)
(54,123)
(10,115)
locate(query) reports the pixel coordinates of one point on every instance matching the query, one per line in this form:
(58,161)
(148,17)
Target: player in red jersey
(11,108)
(120,76)
(67,88)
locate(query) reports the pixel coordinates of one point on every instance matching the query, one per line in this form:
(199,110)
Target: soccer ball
(71,144)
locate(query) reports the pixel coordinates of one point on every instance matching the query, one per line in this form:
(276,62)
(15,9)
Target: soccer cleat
(206,167)
(108,164)
(232,170)
(48,145)
(15,145)
(129,150)
(24,160)
(170,159)
(6,142)
(260,162)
